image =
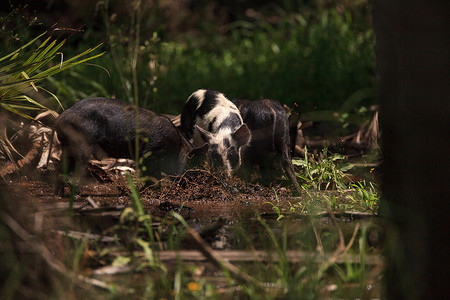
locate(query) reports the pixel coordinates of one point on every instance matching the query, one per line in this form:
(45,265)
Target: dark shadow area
(413,46)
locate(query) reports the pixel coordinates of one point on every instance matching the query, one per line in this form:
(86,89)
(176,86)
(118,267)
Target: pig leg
(283,147)
(289,168)
(64,165)
(245,171)
(67,166)
(285,162)
(269,167)
(74,164)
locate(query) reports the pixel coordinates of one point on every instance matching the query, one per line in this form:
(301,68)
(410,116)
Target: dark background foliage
(319,54)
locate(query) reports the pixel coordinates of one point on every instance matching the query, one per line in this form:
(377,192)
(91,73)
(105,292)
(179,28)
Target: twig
(213,257)
(341,246)
(98,283)
(92,202)
(319,241)
(28,238)
(113,270)
(341,250)
(352,240)
(82,235)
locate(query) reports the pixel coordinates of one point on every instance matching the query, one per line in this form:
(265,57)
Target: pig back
(268,123)
(105,123)
(270,143)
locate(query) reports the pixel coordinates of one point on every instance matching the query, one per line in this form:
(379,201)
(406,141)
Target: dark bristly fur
(103,127)
(270,144)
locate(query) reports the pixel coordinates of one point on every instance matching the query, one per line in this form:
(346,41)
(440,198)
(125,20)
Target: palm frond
(23,68)
(17,52)
(20,72)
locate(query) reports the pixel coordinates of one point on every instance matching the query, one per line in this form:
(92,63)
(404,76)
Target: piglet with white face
(208,116)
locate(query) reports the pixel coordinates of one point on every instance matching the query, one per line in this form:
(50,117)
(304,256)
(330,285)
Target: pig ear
(206,135)
(199,150)
(242,135)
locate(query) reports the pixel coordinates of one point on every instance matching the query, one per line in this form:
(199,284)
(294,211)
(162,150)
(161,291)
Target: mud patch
(197,194)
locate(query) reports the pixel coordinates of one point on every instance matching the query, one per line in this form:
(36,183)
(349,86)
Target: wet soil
(197,194)
(200,196)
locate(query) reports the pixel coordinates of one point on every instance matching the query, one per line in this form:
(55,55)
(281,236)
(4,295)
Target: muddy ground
(200,196)
(196,194)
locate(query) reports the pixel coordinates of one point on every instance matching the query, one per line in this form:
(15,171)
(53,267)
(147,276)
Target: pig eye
(232,151)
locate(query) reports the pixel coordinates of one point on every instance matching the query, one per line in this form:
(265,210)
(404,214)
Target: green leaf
(15,53)
(121,261)
(180,218)
(299,162)
(346,167)
(337,156)
(147,250)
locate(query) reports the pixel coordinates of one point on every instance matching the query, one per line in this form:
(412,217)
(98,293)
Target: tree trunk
(413,54)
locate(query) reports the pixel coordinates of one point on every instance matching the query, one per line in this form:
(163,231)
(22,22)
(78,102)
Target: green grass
(366,194)
(324,174)
(328,173)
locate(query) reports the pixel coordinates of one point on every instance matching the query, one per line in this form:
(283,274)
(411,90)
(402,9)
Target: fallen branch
(243,256)
(347,214)
(112,270)
(77,235)
(92,202)
(260,256)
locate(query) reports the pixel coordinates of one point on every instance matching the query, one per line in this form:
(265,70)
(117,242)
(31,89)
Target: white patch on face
(221,136)
(222,147)
(219,139)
